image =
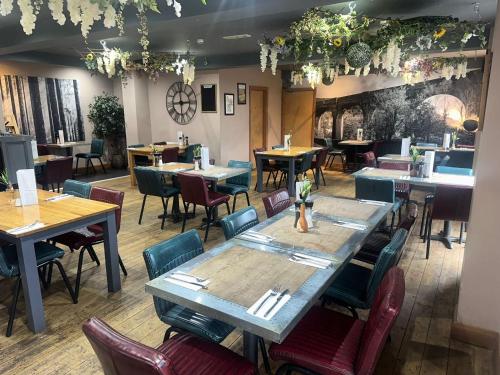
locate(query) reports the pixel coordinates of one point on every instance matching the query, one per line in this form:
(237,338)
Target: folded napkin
(373,203)
(59,197)
(187,281)
(309,260)
(270,300)
(26,228)
(350,225)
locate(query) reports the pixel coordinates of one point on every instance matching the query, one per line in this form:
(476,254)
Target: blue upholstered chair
(188,155)
(454,170)
(77,188)
(301,167)
(355,286)
(239,221)
(238,184)
(46,256)
(96,152)
(166,256)
(379,190)
(150,182)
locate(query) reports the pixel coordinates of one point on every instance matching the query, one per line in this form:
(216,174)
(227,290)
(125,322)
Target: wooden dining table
(147,151)
(242,270)
(54,218)
(290,156)
(43,159)
(63,149)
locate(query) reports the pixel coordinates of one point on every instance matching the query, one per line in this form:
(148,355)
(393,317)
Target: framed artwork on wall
(229,104)
(241,91)
(209,98)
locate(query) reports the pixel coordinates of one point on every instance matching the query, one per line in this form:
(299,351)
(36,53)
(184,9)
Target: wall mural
(43,106)
(424,111)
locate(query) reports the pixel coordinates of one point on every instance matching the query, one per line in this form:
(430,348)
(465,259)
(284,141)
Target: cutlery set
(277,293)
(189,279)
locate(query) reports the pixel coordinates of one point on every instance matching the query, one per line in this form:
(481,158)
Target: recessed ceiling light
(200,41)
(234,37)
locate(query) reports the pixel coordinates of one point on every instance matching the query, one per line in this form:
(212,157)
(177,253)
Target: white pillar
(479,298)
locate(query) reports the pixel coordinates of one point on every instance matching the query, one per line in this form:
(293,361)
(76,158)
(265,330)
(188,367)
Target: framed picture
(209,98)
(242,93)
(229,104)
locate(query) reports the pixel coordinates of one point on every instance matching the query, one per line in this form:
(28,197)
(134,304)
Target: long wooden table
(42,160)
(58,217)
(240,271)
(290,156)
(146,151)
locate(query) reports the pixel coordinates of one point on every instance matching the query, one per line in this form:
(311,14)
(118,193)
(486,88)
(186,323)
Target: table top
(63,145)
(444,179)
(41,160)
(146,150)
(241,271)
(397,158)
(50,213)
(442,149)
(354,142)
(172,168)
(295,151)
(214,173)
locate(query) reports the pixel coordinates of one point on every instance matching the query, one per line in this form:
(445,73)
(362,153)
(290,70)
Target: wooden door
(297,115)
(258,119)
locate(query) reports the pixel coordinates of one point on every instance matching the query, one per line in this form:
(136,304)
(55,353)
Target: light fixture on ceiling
(236,37)
(200,41)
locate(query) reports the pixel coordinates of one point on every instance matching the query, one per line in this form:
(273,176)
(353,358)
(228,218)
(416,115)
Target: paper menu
(446,140)
(286,141)
(429,163)
(27,186)
(61,137)
(405,146)
(205,158)
(34,149)
(359,135)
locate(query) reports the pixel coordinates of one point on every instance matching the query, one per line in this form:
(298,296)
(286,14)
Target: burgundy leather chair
(170,155)
(194,191)
(42,149)
(267,167)
(184,354)
(320,159)
(55,172)
(451,203)
(403,189)
(329,342)
(369,159)
(276,202)
(84,240)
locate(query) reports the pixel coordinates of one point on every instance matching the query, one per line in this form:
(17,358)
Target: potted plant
(197,157)
(454,138)
(107,116)
(4,181)
(303,207)
(415,156)
(156,151)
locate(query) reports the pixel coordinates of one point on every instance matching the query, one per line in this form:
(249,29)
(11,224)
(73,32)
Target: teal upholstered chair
(77,188)
(301,167)
(239,221)
(46,256)
(454,170)
(379,190)
(166,256)
(355,286)
(96,152)
(238,184)
(188,154)
(150,182)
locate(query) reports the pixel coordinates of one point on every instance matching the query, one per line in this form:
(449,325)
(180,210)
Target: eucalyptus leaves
(322,41)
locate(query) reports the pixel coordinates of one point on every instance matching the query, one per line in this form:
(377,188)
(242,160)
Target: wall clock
(181,103)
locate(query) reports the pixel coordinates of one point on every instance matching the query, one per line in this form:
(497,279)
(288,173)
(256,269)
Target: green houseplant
(108,118)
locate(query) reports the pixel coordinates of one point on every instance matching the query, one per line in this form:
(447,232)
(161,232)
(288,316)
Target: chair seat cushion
(191,355)
(44,252)
(373,246)
(215,198)
(76,240)
(231,189)
(324,341)
(349,288)
(201,325)
(88,155)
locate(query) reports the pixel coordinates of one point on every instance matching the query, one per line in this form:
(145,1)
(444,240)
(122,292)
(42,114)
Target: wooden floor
(420,339)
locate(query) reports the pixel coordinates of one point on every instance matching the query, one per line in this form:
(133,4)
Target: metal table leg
(258,164)
(250,347)
(291,177)
(111,253)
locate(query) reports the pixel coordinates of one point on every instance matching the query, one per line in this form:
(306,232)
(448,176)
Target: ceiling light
(200,41)
(235,37)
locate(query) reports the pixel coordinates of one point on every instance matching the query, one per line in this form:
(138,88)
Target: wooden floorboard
(420,340)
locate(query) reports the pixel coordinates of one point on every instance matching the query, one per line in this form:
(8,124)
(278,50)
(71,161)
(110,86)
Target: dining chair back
(383,314)
(189,153)
(276,202)
(244,179)
(110,196)
(162,143)
(56,171)
(170,155)
(96,152)
(77,188)
(140,160)
(139,145)
(193,189)
(239,221)
(369,159)
(454,170)
(149,181)
(42,149)
(97,147)
(305,164)
(375,189)
(318,162)
(403,189)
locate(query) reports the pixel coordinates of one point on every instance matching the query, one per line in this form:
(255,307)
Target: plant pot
(197,164)
(117,161)
(156,159)
(414,170)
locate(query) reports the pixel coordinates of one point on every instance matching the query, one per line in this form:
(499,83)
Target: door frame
(313,120)
(265,90)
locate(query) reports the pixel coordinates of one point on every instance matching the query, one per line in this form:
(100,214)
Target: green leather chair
(355,286)
(238,184)
(166,256)
(46,256)
(188,154)
(239,221)
(96,152)
(77,188)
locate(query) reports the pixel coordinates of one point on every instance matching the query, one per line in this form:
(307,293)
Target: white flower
(110,17)
(297,78)
(314,74)
(376,59)
(75,13)
(57,8)
(346,67)
(273,57)
(264,51)
(357,72)
(188,73)
(466,37)
(90,14)
(6,7)
(177,8)
(392,58)
(28,17)
(100,65)
(424,42)
(366,70)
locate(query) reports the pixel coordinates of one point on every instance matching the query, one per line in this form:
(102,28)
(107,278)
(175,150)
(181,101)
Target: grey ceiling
(63,44)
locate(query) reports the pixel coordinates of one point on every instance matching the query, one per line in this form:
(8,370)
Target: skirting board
(478,337)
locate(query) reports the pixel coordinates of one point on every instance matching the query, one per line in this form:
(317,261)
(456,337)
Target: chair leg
(93,168)
(265,357)
(79,272)
(142,208)
(322,176)
(428,236)
(392,223)
(267,181)
(165,206)
(422,224)
(102,165)
(234,201)
(353,312)
(41,276)
(122,266)
(186,208)
(248,198)
(427,218)
(49,274)
(460,239)
(13,305)
(93,254)
(87,167)
(76,167)
(209,218)
(228,209)
(66,280)
(168,332)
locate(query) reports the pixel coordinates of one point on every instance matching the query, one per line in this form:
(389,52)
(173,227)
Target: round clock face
(181,103)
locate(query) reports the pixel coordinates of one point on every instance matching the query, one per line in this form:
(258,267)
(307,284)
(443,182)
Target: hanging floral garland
(321,39)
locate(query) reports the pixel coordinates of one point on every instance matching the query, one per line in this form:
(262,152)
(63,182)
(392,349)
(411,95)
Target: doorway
(298,115)
(258,119)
